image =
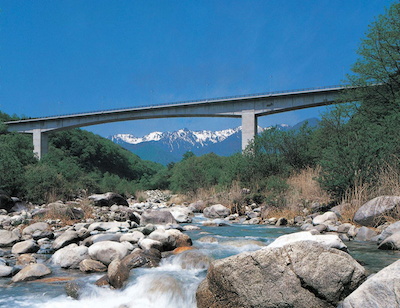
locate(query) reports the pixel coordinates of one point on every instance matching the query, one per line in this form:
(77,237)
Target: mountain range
(166,147)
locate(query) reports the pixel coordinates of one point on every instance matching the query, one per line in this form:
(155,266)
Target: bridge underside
(246,108)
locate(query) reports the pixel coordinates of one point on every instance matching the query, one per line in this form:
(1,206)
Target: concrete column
(40,143)
(249,127)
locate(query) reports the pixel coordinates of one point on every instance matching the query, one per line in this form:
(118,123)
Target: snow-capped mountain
(166,147)
(174,139)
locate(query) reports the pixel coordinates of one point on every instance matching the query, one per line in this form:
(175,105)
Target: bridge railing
(253,95)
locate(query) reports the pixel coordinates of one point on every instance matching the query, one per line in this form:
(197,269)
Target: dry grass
(304,188)
(141,196)
(65,214)
(232,197)
(387,184)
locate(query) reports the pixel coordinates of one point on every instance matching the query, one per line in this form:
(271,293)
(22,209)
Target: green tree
(356,139)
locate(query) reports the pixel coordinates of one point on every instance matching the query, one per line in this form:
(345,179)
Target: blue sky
(59,57)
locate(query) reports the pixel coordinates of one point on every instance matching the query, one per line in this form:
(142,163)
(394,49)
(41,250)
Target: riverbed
(174,283)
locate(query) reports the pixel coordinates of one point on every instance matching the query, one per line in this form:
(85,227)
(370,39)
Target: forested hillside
(78,162)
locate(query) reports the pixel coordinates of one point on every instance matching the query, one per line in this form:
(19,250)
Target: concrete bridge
(246,107)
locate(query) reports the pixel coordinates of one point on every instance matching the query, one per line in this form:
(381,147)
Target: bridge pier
(249,127)
(40,143)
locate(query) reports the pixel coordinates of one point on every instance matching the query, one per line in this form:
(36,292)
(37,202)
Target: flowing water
(173,284)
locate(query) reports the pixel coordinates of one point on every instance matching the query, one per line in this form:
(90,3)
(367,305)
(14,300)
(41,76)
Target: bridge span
(246,107)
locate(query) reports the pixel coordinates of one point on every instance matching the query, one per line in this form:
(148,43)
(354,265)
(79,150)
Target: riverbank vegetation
(350,157)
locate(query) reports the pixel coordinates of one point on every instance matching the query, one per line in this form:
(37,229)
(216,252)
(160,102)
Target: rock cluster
(120,236)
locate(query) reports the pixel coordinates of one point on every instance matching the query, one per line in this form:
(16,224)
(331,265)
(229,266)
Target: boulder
(5,271)
(8,238)
(167,240)
(344,228)
(27,246)
(329,240)
(107,251)
(324,218)
(365,234)
(391,229)
(197,207)
(379,291)
(105,226)
(74,289)
(133,237)
(108,199)
(25,259)
(181,239)
(6,202)
(391,243)
(162,217)
(117,274)
(282,221)
(70,256)
(64,210)
(105,237)
(371,214)
(181,214)
(38,226)
(140,257)
(302,274)
(148,243)
(90,266)
(66,238)
(31,272)
(216,211)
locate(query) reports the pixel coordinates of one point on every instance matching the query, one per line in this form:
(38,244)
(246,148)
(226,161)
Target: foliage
(358,138)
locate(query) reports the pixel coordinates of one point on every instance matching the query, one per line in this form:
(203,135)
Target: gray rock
(388,231)
(105,226)
(365,234)
(106,237)
(74,289)
(391,243)
(117,274)
(28,246)
(133,237)
(107,251)
(90,266)
(382,290)
(66,238)
(140,257)
(167,240)
(303,274)
(329,240)
(324,218)
(198,206)
(70,256)
(5,271)
(38,226)
(371,213)
(344,228)
(162,217)
(181,239)
(282,221)
(216,211)
(147,244)
(108,199)
(8,238)
(181,214)
(31,272)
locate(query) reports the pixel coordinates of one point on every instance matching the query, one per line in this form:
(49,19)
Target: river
(173,284)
